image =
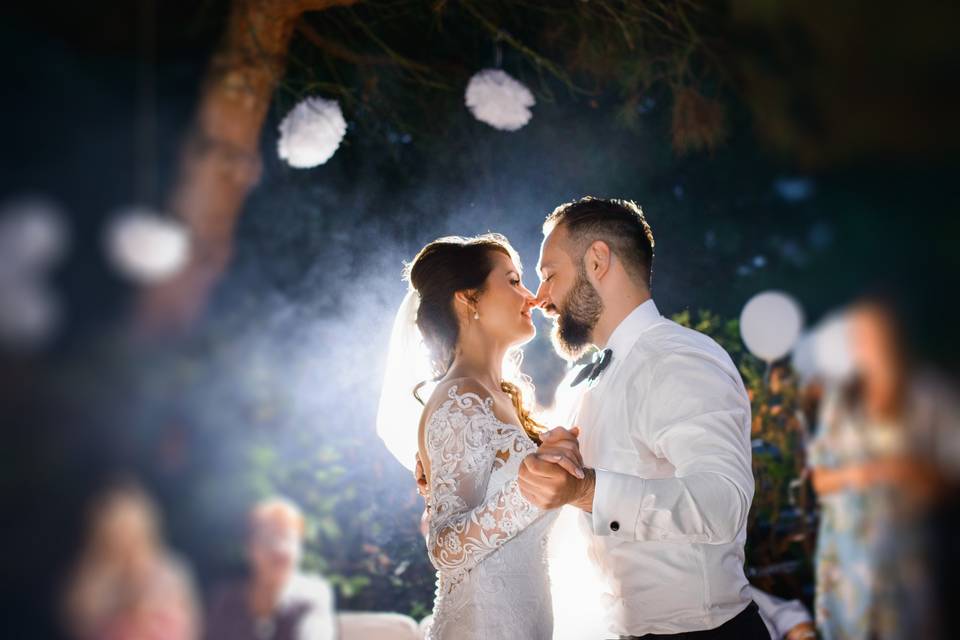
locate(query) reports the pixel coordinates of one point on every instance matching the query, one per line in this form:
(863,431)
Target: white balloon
(824,351)
(146,247)
(311,133)
(831,352)
(770,324)
(496,98)
(803,359)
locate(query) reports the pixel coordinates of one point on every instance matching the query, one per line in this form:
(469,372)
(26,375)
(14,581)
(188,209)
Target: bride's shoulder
(460,393)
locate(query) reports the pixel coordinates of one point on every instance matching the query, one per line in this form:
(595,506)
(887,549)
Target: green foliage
(362,517)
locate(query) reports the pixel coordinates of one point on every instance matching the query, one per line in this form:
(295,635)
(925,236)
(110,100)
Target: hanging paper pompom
(33,239)
(30,315)
(311,133)
(147,247)
(33,236)
(500,101)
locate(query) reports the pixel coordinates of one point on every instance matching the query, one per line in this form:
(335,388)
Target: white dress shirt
(778,614)
(667,428)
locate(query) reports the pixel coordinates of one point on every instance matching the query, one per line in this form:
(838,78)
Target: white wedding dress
(486,540)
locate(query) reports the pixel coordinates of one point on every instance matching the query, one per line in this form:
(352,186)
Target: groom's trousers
(746,625)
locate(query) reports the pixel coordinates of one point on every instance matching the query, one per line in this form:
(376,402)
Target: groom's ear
(598,259)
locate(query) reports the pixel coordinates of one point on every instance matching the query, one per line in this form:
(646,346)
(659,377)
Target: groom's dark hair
(618,223)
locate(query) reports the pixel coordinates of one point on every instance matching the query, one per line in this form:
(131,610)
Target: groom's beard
(577,316)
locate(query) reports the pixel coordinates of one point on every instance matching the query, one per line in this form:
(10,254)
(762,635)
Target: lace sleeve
(465,442)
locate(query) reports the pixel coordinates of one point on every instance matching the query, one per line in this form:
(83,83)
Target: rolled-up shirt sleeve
(695,413)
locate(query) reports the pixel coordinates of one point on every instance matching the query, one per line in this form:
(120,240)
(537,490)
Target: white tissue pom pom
(33,236)
(146,247)
(311,133)
(29,315)
(498,100)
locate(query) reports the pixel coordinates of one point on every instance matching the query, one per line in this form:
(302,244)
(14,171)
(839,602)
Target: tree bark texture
(220,162)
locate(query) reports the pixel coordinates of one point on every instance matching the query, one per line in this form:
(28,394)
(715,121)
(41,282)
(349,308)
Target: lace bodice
(486,587)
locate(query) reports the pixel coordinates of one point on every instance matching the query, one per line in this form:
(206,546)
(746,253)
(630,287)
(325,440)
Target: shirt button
(614,526)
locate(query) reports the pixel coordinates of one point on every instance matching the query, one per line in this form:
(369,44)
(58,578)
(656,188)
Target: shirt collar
(630,328)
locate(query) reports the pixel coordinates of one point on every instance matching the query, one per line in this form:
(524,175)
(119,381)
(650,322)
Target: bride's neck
(483,363)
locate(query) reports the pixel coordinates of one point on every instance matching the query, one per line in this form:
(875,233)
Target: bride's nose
(541,295)
(530,299)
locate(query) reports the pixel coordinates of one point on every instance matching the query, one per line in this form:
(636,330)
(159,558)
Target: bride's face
(506,306)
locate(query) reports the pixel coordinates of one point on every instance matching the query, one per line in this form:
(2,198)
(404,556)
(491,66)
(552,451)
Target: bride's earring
(476,314)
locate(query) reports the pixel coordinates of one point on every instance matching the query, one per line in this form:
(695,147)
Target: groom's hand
(545,483)
(561,447)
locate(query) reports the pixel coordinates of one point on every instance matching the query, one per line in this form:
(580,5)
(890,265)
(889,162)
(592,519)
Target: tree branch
(343,53)
(302,6)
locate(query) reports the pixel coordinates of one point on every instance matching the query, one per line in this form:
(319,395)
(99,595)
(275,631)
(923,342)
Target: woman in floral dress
(878,460)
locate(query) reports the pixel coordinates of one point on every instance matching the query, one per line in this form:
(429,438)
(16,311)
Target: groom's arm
(696,416)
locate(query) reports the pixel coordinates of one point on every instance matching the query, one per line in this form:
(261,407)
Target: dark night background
(284,367)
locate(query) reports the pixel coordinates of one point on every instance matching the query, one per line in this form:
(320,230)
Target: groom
(664,435)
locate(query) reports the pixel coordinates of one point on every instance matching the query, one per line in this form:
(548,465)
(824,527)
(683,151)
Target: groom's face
(567,296)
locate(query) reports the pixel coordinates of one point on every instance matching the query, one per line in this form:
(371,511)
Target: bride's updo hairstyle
(442,268)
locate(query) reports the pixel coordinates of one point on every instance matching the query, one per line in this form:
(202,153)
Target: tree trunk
(220,161)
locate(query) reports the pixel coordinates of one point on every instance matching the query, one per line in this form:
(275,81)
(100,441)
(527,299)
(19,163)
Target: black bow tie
(593,370)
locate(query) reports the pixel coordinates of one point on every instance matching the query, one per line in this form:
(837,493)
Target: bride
(469,309)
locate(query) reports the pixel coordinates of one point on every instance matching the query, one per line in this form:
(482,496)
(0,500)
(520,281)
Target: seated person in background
(277,602)
(127,585)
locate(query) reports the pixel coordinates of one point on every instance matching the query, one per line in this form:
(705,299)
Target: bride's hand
(561,447)
(421,478)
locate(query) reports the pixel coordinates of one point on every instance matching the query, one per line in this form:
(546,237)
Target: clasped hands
(552,476)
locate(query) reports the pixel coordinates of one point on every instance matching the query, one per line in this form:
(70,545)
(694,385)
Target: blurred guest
(127,585)
(885,449)
(277,602)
